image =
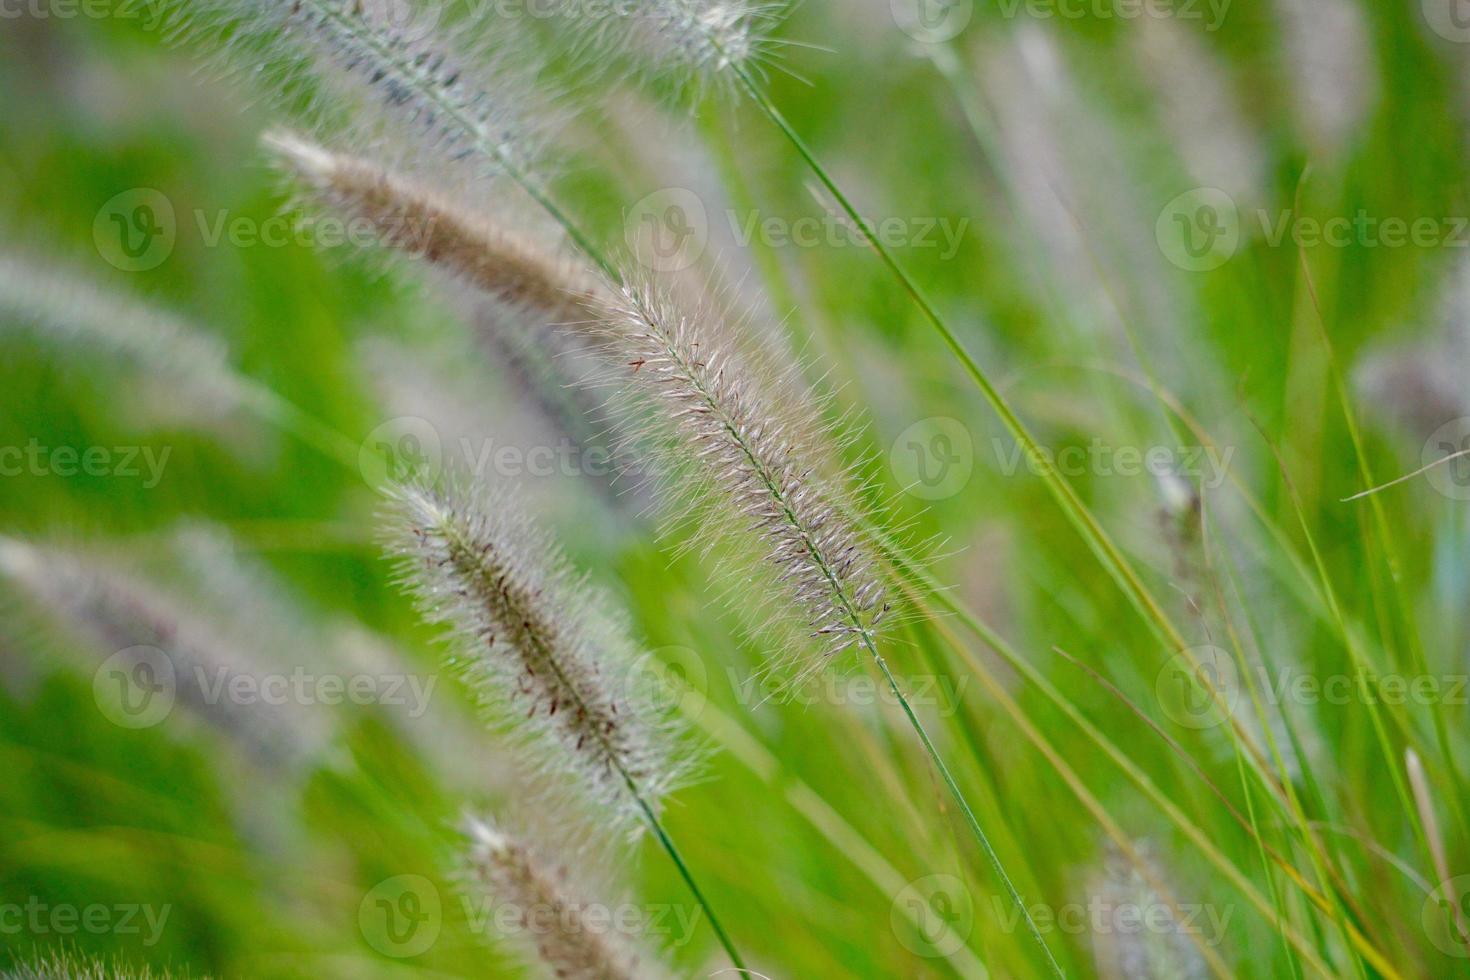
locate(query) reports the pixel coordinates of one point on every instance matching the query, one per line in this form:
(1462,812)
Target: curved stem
(678,859)
(959,798)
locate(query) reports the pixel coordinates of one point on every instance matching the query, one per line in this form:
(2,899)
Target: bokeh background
(1169,230)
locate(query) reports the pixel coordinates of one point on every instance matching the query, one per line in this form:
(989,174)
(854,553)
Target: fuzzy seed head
(403,75)
(698,43)
(411,218)
(112,610)
(544,907)
(70,309)
(544,654)
(758,444)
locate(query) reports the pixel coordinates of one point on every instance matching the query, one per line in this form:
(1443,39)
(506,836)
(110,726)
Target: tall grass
(1206,723)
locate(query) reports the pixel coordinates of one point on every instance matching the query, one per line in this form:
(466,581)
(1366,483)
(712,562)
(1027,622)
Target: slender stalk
(959,797)
(1092,532)
(471,127)
(839,591)
(635,791)
(668,845)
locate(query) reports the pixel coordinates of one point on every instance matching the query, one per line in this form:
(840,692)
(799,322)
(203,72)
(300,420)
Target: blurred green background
(1068,150)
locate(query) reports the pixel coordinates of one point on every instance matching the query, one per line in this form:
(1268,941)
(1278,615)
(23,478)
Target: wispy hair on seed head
(694,44)
(109,606)
(68,308)
(434,224)
(545,654)
(390,75)
(66,964)
(520,877)
(750,453)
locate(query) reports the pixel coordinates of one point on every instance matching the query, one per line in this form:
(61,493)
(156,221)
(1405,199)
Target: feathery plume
(518,289)
(72,310)
(68,965)
(412,218)
(760,447)
(694,42)
(1327,52)
(402,68)
(197,662)
(537,643)
(1165,949)
(546,910)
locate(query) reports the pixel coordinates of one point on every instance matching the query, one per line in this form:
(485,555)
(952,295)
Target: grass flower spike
(537,645)
(543,907)
(761,449)
(694,42)
(537,641)
(412,218)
